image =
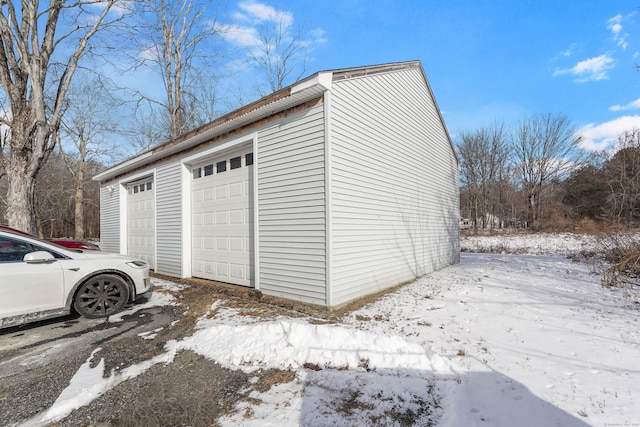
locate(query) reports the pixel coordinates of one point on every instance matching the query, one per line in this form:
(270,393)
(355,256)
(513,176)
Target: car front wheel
(101,296)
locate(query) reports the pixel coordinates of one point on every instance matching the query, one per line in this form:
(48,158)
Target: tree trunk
(79,205)
(21,208)
(27,43)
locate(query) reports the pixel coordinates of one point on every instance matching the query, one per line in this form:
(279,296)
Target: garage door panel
(221,192)
(141,221)
(208,219)
(208,243)
(236,216)
(222,244)
(228,223)
(222,217)
(237,271)
(222,269)
(236,189)
(236,244)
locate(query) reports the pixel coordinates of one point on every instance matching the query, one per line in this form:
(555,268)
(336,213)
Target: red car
(67,243)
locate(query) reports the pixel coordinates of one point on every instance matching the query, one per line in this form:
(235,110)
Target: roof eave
(291,96)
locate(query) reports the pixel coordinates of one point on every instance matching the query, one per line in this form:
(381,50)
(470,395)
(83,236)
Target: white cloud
(238,65)
(244,31)
(318,36)
(570,50)
(615,25)
(240,36)
(589,69)
(603,136)
(119,8)
(633,105)
(262,12)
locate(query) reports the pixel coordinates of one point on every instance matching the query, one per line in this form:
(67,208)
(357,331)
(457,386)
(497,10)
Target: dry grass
(186,392)
(352,404)
(270,377)
(625,271)
(353,407)
(248,301)
(617,258)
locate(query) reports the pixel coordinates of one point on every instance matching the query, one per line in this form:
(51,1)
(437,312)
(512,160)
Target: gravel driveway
(37,362)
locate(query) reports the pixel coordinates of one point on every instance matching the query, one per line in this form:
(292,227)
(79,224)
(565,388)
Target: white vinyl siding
(291,203)
(394,184)
(169,219)
(110,217)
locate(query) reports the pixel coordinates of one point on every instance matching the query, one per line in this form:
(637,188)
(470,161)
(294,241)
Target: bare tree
(280,51)
(29,36)
(175,38)
(545,149)
(86,127)
(622,172)
(483,160)
(585,191)
(54,198)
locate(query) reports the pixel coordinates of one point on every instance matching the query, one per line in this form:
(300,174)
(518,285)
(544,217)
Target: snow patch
(288,344)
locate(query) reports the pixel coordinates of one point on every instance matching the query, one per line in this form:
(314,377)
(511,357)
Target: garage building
(338,186)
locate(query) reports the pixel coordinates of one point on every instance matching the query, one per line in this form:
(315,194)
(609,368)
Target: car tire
(101,296)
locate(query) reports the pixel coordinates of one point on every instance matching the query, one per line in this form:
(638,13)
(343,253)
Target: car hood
(102,255)
(75,244)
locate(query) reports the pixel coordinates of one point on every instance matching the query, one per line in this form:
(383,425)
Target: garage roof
(298,93)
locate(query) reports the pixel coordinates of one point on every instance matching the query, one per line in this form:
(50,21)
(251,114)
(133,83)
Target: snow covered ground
(560,244)
(497,340)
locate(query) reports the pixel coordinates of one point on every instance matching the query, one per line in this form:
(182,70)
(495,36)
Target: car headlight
(137,264)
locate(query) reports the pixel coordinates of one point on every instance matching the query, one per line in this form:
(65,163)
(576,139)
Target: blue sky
(486,61)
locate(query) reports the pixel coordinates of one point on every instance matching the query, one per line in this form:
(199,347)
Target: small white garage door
(221,206)
(141,220)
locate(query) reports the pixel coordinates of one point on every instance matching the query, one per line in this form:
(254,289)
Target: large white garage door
(221,206)
(141,203)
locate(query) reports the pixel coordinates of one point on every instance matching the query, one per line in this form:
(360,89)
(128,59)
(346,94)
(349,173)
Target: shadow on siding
(434,237)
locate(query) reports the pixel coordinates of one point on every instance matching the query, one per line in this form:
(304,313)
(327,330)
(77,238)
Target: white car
(40,280)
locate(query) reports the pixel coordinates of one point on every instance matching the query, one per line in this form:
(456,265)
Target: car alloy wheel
(101,296)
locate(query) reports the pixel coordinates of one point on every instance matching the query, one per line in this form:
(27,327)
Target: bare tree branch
(176,44)
(281,52)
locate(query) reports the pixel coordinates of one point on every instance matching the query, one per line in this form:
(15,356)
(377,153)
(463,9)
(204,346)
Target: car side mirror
(38,257)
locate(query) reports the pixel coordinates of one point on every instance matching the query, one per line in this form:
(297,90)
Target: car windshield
(66,248)
(14,247)
(49,242)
